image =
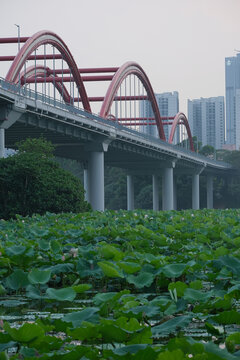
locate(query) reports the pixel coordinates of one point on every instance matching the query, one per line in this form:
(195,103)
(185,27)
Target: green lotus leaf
(110,252)
(131,349)
(110,270)
(55,246)
(43,244)
(81,288)
(196,295)
(233,341)
(17,280)
(212,329)
(46,344)
(2,289)
(27,352)
(37,276)
(26,333)
(65,294)
(171,355)
(147,310)
(227,317)
(76,318)
(173,270)
(15,250)
(129,267)
(4,355)
(113,333)
(172,325)
(12,303)
(179,286)
(141,280)
(142,336)
(196,285)
(61,268)
(219,354)
(187,345)
(34,293)
(103,297)
(87,331)
(230,262)
(39,232)
(131,324)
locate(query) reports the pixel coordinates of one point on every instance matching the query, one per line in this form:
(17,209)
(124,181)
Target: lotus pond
(121,285)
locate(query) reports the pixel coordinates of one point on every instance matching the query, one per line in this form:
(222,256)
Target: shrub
(32,182)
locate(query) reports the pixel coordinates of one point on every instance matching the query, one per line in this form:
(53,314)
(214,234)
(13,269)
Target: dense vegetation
(31,182)
(121,285)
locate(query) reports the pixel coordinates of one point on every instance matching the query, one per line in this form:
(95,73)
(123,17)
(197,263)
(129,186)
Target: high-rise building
(207,120)
(232,82)
(168,104)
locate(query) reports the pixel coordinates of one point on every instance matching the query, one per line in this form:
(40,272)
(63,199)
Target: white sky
(181,44)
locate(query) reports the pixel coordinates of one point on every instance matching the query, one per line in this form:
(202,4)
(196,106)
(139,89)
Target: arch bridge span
(125,99)
(44,92)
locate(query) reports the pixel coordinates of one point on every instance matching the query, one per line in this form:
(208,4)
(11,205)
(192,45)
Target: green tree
(115,188)
(36,146)
(144,197)
(207,150)
(228,186)
(32,182)
(197,144)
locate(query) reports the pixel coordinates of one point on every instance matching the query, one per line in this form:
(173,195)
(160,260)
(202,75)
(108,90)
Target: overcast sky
(181,44)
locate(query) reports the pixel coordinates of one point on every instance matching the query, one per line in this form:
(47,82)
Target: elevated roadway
(95,141)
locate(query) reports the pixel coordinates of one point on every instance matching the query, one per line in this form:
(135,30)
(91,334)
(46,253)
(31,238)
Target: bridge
(44,93)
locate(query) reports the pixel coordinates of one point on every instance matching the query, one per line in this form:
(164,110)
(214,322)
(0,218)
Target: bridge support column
(85,183)
(155,192)
(130,192)
(95,181)
(209,191)
(167,189)
(2,142)
(195,191)
(174,193)
(94,175)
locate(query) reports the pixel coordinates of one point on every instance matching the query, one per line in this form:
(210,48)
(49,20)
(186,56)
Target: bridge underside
(119,154)
(93,142)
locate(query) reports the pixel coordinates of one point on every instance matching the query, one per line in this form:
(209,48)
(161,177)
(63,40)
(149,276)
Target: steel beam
(59,79)
(33,57)
(85,70)
(13,40)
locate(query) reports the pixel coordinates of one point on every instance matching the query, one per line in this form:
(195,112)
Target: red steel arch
(48,37)
(41,71)
(132,68)
(180,117)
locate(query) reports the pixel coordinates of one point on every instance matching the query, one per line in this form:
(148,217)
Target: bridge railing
(24,92)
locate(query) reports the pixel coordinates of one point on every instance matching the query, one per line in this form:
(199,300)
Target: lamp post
(18,26)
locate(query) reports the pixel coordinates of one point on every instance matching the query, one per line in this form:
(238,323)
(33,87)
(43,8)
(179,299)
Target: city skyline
(206,117)
(181,45)
(232,71)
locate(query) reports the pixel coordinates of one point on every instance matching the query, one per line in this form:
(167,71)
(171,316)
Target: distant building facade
(232,83)
(168,104)
(206,118)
